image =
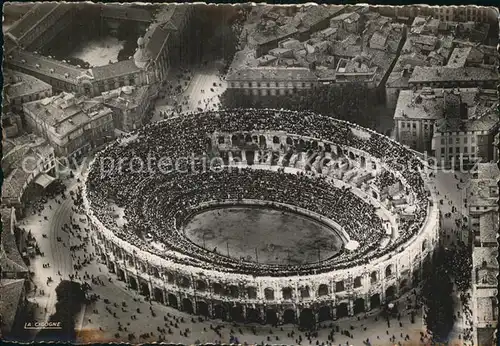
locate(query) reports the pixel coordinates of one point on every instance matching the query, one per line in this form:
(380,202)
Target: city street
(200,92)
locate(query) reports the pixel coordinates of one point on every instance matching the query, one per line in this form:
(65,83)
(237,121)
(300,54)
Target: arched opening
(269,294)
(287,293)
(351,156)
(339,286)
(289,316)
(375,301)
(218,289)
(170,278)
(324,314)
(121,274)
(253,316)
(144,289)
(252,292)
(403,286)
(342,310)
(219,312)
(202,308)
(323,290)
(416,278)
(424,245)
(314,145)
(276,140)
(262,141)
(359,306)
(390,293)
(187,306)
(328,148)
(234,140)
(158,294)
(184,282)
(373,277)
(248,139)
(271,317)
(289,141)
(221,140)
(357,282)
(388,271)
(304,292)
(363,162)
(250,156)
(103,258)
(156,273)
(172,301)
(234,291)
(111,267)
(133,283)
(237,314)
(201,285)
(307,319)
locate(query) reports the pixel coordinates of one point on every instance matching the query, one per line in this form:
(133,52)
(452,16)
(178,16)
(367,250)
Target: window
(303,85)
(473,139)
(472,149)
(465,140)
(451,150)
(442,141)
(466,149)
(414,125)
(450,140)
(442,151)
(458,150)
(268,84)
(457,140)
(426,127)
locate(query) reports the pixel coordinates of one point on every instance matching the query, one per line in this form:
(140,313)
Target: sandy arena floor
(276,236)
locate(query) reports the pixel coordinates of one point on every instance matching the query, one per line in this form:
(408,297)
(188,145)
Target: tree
(70,299)
(437,294)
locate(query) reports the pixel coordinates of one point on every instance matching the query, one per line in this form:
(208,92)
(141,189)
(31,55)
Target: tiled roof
(449,74)
(155,38)
(40,64)
(416,105)
(10,256)
(11,292)
(30,19)
(116,69)
(131,13)
(488,226)
(19,84)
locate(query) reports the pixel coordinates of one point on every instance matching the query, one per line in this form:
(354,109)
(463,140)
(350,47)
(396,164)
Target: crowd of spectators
(156,203)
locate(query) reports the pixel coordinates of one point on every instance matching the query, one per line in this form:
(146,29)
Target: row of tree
(353,102)
(70,299)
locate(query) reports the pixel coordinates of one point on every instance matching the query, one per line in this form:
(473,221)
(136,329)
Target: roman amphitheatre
(277,173)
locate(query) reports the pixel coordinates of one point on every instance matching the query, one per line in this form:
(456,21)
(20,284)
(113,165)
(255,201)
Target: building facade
(73,126)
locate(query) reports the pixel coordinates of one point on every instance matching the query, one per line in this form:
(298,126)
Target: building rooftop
(10,257)
(65,113)
(124,98)
(32,18)
(481,191)
(450,74)
(17,84)
(488,227)
(11,291)
(458,57)
(272,74)
(45,65)
(419,105)
(480,119)
(122,11)
(121,68)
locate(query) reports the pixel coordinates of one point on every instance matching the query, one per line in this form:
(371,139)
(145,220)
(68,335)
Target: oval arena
(143,189)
